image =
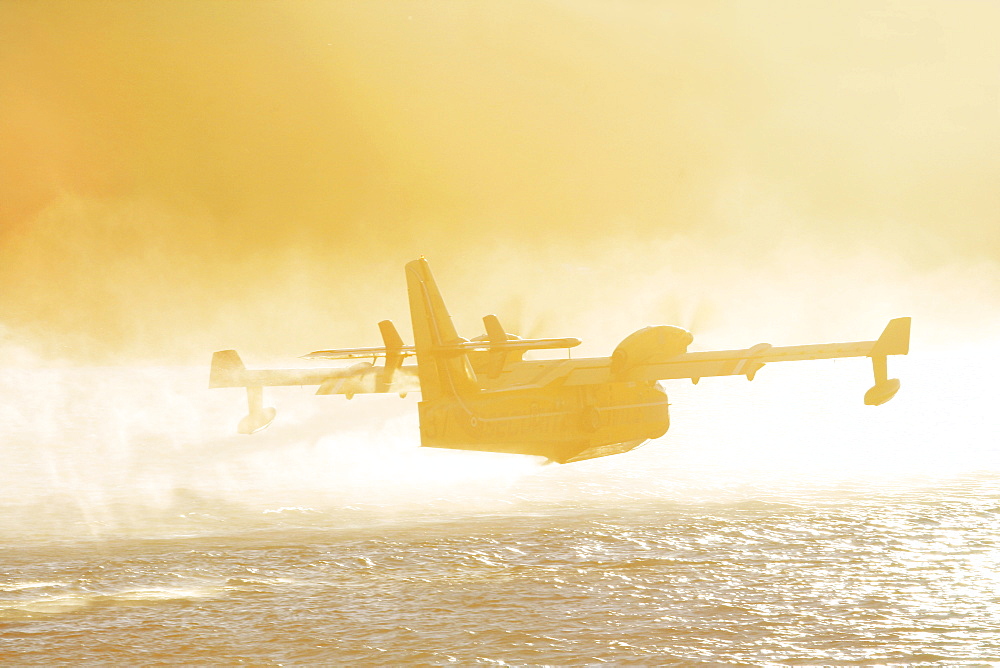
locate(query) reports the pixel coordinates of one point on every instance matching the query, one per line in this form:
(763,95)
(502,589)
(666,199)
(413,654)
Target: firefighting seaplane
(482,395)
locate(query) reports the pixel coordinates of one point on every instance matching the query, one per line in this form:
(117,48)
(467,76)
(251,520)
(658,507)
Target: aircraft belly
(562,425)
(605,450)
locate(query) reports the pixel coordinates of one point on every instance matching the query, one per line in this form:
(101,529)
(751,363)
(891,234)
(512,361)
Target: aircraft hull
(560,424)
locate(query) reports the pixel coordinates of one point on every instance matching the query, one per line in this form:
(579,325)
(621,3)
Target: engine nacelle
(649,345)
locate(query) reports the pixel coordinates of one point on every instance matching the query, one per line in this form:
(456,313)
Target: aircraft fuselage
(562,424)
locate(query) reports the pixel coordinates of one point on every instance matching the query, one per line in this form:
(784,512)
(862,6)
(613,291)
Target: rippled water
(137,529)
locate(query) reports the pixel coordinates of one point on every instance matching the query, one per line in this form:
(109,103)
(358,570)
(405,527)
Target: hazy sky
(182,176)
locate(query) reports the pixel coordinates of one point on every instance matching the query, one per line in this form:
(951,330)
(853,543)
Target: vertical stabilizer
(442,372)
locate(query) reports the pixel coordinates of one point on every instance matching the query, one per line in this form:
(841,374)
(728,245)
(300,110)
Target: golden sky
(180,176)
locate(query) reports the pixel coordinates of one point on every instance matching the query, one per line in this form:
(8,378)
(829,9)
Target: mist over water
(101,452)
(779,521)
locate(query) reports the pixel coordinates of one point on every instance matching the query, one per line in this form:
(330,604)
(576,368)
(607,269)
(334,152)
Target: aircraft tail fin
(442,372)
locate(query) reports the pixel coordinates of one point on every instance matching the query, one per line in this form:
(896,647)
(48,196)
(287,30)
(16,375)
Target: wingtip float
(481,395)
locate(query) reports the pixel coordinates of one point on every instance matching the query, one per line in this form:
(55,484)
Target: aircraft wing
(228,371)
(895,340)
(450,349)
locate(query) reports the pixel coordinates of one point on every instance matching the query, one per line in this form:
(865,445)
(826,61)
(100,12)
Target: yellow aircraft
(481,394)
